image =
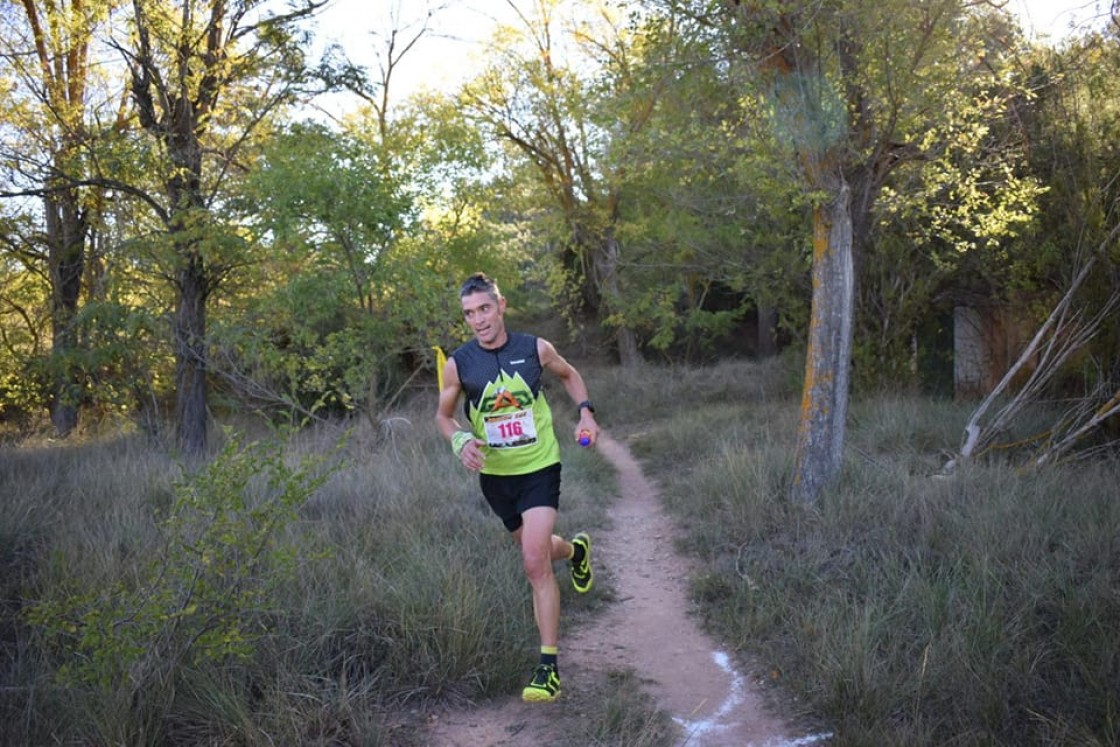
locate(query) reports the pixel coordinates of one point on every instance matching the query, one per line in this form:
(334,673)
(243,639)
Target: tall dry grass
(390,588)
(902,609)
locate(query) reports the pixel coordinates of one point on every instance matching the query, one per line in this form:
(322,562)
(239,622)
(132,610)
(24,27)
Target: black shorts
(511,495)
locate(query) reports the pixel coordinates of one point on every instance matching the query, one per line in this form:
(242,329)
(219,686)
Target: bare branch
(1062,334)
(1057,449)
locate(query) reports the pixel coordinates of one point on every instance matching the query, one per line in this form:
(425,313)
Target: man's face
(484,315)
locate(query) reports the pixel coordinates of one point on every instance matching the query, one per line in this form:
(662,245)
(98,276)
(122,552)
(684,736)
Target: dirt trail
(647,629)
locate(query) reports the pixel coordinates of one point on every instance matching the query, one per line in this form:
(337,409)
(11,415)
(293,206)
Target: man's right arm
(448,399)
(463,442)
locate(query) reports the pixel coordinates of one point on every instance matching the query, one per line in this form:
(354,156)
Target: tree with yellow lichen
(857,91)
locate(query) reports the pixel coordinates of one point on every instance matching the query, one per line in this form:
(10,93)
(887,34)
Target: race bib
(510,429)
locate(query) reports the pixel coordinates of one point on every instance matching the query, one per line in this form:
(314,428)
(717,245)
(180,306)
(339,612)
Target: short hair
(480,282)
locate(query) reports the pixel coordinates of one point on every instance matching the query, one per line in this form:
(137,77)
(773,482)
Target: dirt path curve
(647,629)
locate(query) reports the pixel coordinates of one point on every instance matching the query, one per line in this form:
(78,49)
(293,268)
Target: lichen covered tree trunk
(824,401)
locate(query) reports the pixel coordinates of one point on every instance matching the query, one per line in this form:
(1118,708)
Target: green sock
(548,656)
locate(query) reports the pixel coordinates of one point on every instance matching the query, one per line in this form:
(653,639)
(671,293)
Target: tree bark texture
(190,358)
(66,240)
(824,402)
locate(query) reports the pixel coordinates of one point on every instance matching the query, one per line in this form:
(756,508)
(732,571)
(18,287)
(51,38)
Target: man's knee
(537,561)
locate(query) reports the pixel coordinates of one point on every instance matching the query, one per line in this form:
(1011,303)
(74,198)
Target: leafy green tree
(944,231)
(204,75)
(858,90)
(463,213)
(52,121)
(333,302)
(1061,272)
(557,122)
(709,200)
(1073,125)
(23,326)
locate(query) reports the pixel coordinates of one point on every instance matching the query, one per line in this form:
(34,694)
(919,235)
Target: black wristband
(587,403)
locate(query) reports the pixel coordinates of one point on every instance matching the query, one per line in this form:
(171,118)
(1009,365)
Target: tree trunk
(190,357)
(824,402)
(66,239)
(767,331)
(61,34)
(607,288)
(628,353)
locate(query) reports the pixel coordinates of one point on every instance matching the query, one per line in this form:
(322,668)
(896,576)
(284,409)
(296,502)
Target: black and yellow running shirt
(506,406)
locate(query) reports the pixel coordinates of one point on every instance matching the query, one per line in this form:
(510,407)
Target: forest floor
(647,629)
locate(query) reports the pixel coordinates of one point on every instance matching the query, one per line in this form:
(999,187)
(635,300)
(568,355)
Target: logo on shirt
(503,399)
(506,392)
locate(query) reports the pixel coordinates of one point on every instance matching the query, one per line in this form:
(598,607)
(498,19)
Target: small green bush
(202,595)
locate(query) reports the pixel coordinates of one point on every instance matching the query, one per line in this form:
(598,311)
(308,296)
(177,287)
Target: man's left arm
(573,383)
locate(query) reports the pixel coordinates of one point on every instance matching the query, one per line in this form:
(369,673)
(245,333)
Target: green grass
(904,608)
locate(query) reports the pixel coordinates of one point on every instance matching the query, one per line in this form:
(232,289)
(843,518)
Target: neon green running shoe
(581,571)
(544,687)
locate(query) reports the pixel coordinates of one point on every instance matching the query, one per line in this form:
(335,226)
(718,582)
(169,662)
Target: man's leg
(539,547)
(561,548)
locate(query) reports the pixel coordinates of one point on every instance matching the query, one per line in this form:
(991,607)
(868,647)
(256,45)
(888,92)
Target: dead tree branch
(1065,331)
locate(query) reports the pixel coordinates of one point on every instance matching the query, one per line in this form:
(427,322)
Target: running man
(510,442)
